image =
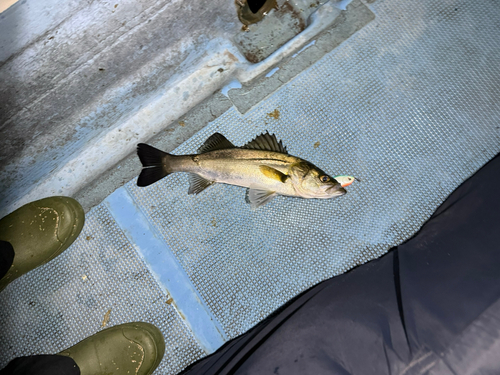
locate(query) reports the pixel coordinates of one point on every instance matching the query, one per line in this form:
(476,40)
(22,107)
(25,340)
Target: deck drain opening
(275,23)
(255,5)
(252,11)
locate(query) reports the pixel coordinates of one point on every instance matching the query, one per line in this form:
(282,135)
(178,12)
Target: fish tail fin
(155,163)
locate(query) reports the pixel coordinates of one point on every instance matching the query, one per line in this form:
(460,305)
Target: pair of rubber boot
(38,232)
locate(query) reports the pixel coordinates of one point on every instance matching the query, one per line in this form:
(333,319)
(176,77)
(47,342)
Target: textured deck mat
(394,109)
(68,299)
(409,105)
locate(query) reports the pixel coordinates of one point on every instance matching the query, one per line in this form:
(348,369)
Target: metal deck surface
(409,104)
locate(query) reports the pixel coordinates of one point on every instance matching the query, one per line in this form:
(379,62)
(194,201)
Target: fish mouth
(336,190)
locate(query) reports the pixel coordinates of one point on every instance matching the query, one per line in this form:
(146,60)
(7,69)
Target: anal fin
(258,198)
(197,183)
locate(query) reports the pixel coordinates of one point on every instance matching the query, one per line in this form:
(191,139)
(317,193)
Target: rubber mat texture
(100,281)
(409,105)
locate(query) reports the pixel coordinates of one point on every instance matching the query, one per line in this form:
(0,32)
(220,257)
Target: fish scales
(263,166)
(239,167)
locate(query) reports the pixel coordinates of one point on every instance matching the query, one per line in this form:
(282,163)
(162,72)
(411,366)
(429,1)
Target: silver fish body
(263,166)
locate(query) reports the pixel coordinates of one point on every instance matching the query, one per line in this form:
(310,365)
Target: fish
(263,166)
(346,180)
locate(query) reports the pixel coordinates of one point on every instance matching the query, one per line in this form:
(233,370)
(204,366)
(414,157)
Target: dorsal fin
(215,142)
(266,142)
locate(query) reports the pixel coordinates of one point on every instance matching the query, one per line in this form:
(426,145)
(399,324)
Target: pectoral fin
(197,183)
(273,173)
(258,198)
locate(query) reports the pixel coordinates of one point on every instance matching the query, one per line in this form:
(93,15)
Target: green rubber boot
(130,348)
(39,231)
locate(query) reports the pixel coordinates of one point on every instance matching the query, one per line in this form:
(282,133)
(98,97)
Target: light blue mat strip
(165,268)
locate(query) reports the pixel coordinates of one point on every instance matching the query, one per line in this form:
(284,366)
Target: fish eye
(324,178)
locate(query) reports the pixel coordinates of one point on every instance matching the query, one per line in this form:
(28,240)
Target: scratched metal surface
(409,105)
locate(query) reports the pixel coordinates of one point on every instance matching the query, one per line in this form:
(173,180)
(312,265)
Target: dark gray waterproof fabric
(6,257)
(41,365)
(430,306)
